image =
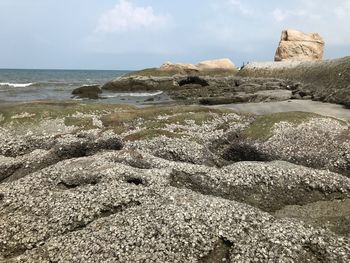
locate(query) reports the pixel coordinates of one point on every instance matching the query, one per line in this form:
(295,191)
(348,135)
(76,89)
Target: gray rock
(64,147)
(75,196)
(316,142)
(93,209)
(334,215)
(326,80)
(208,90)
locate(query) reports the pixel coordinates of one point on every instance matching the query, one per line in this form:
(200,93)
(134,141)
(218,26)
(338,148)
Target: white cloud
(343,11)
(281,15)
(330,19)
(340,12)
(241,7)
(125,16)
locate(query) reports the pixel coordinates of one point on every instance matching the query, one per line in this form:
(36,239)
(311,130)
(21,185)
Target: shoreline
(83,180)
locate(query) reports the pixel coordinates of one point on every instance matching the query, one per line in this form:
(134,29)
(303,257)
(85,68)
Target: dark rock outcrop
(87,92)
(209,90)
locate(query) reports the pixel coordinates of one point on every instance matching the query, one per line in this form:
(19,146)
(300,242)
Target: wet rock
(207,89)
(140,83)
(88,92)
(193,80)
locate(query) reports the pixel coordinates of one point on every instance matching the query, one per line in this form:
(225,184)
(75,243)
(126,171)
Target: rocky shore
(110,183)
(326,81)
(186,180)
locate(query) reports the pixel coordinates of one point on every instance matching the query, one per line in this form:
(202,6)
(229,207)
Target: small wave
(133,94)
(88,85)
(15,85)
(77,99)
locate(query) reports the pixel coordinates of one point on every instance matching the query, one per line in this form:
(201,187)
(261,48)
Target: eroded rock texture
(186,184)
(296,45)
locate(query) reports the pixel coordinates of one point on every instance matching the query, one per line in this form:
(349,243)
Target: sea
(23,85)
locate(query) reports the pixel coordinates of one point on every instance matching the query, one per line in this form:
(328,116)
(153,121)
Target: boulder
(88,91)
(169,66)
(224,64)
(296,45)
(217,64)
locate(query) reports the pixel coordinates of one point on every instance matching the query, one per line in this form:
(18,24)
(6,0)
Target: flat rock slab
(327,109)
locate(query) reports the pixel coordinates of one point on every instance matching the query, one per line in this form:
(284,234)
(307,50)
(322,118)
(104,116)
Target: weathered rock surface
(224,64)
(187,195)
(296,45)
(180,67)
(88,92)
(207,89)
(305,139)
(56,149)
(326,81)
(217,64)
(319,80)
(334,215)
(92,209)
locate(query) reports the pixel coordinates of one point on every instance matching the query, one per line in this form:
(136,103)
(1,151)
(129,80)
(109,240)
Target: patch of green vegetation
(29,113)
(198,118)
(345,135)
(262,127)
(85,123)
(120,118)
(150,134)
(126,120)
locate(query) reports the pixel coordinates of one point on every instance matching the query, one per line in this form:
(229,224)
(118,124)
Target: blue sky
(133,34)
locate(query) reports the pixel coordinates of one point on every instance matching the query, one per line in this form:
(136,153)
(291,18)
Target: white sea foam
(133,94)
(15,85)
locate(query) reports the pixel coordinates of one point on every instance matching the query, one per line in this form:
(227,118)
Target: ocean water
(34,84)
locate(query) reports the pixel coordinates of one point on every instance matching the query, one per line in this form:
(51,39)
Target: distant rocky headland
(186,181)
(298,73)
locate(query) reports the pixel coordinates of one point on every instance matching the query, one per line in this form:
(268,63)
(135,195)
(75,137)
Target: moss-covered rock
(302,138)
(262,127)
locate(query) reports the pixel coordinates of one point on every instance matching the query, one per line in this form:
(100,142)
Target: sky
(134,34)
